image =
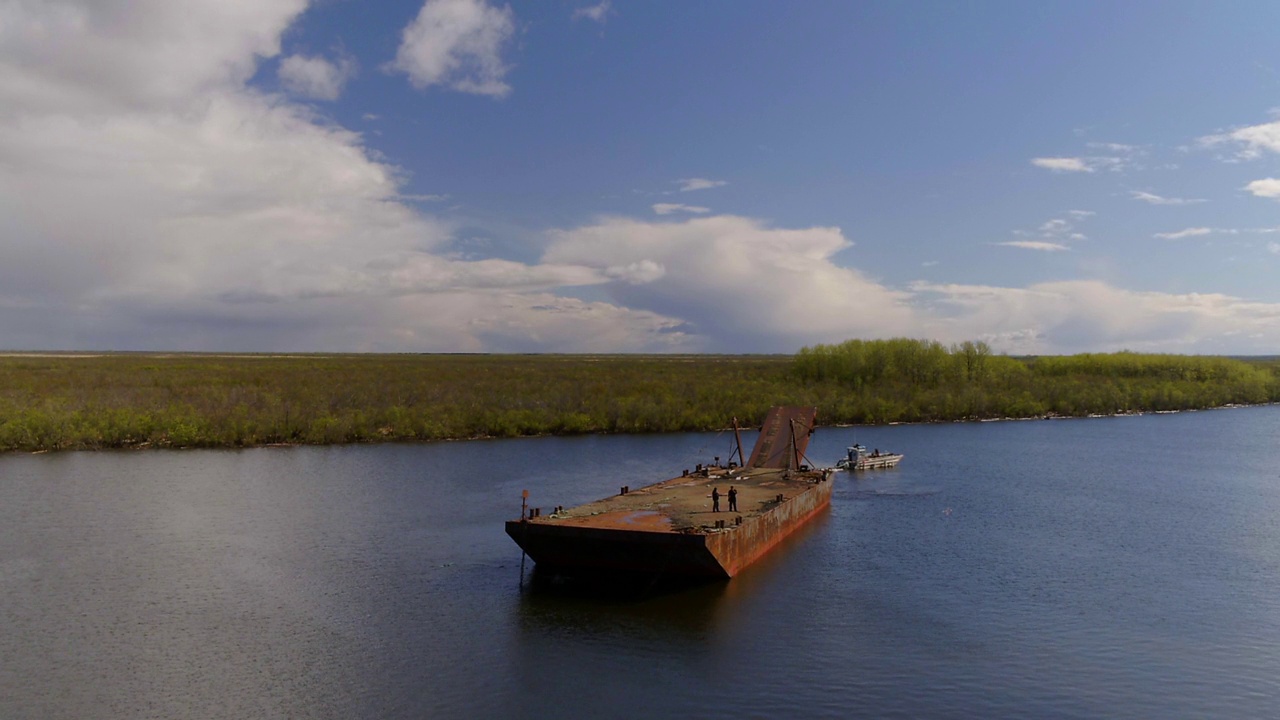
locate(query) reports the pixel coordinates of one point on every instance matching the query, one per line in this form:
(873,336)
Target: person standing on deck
(715,499)
(733,499)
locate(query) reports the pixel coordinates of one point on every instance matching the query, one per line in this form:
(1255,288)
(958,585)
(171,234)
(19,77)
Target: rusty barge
(672,529)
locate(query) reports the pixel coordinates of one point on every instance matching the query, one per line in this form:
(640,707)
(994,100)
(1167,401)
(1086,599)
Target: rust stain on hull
(672,527)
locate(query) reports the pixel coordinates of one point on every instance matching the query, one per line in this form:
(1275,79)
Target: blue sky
(459,175)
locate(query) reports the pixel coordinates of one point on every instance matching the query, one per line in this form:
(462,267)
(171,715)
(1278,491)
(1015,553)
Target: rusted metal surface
(684,504)
(745,544)
(784,437)
(672,527)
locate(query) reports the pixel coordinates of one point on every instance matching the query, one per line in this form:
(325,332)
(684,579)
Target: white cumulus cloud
(738,282)
(316,77)
(1040,245)
(668,208)
(457,44)
(637,273)
(1052,235)
(1062,164)
(1114,147)
(690,184)
(151,198)
(1265,188)
(210,216)
(1089,315)
(1154,199)
(1251,141)
(1188,232)
(599,12)
(81,56)
(1123,158)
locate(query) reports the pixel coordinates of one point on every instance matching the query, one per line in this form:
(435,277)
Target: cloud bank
(1078,315)
(151,198)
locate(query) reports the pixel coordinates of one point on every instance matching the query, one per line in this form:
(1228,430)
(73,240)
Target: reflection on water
(645,606)
(1093,568)
(620,608)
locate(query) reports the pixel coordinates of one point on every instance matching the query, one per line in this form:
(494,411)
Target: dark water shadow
(607,588)
(554,599)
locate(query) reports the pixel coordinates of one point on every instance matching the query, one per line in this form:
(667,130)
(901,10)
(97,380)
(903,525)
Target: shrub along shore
(122,400)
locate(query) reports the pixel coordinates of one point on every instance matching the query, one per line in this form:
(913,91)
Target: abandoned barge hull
(672,529)
(707,552)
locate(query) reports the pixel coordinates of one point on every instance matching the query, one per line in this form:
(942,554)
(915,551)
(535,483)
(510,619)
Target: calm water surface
(1116,567)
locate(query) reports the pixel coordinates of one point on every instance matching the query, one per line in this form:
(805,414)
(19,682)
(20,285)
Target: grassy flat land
(64,401)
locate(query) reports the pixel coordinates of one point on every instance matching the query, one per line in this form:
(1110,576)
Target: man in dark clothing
(733,499)
(715,499)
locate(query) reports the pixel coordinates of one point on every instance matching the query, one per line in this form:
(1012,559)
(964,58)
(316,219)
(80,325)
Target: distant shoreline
(143,446)
(90,401)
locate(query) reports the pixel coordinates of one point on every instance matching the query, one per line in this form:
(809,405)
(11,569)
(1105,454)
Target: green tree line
(921,380)
(136,400)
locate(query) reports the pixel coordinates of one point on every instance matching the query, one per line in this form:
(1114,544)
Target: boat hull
(871,463)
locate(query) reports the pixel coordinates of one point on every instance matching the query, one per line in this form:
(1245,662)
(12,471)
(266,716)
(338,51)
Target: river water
(1112,567)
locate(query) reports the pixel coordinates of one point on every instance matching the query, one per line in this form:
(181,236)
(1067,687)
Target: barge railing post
(524,521)
(742,459)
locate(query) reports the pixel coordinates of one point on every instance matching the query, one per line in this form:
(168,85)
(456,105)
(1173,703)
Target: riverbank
(53,401)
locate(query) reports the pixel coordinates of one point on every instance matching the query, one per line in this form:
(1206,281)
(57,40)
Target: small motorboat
(858,458)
